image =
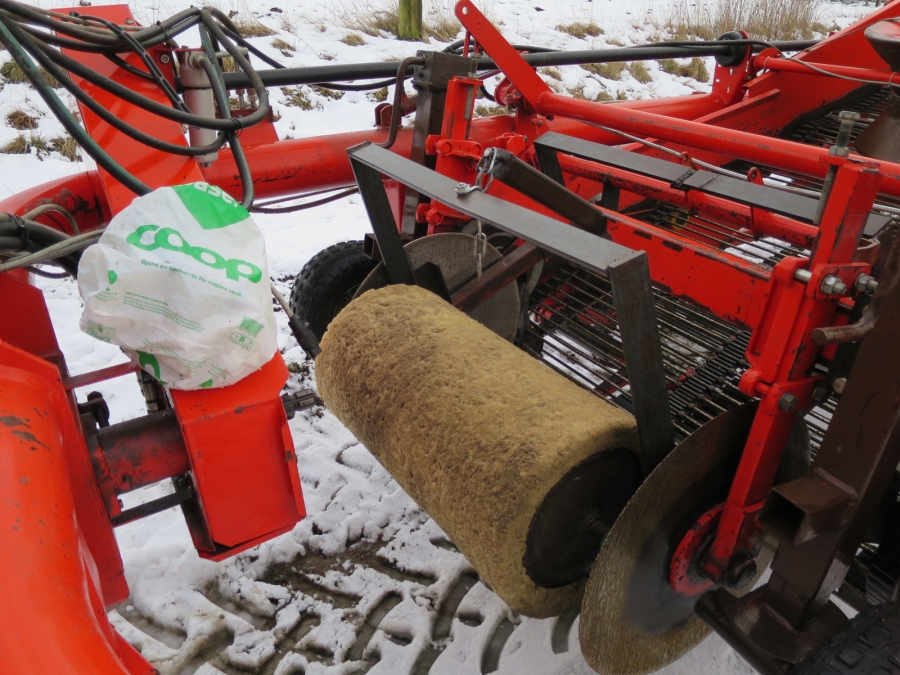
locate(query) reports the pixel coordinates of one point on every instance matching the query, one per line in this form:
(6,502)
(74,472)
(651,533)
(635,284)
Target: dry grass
(438,21)
(616,42)
(67,147)
(610,71)
(327,93)
(581,29)
(490,110)
(765,19)
(298,98)
(373,23)
(552,73)
(21,120)
(286,48)
(22,145)
(17,146)
(443,28)
(378,96)
(251,27)
(695,69)
(622,95)
(353,40)
(639,72)
(12,73)
(604,96)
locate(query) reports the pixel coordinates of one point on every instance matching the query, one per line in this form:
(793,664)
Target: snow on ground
(367,582)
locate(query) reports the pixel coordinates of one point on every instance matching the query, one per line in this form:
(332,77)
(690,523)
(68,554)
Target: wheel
(327,283)
(869,645)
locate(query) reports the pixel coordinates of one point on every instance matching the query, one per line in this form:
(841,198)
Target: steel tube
(277,77)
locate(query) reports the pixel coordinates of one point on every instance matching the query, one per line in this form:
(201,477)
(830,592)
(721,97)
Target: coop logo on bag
(172,240)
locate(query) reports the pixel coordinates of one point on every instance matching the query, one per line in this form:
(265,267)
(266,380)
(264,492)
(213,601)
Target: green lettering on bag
(211,206)
(172,240)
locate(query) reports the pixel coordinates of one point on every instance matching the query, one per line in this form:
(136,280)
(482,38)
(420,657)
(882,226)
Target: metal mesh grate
(572,328)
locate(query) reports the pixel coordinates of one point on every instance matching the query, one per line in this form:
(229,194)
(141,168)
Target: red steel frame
(726,123)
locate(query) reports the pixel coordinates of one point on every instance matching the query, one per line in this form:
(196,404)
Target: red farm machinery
(723,267)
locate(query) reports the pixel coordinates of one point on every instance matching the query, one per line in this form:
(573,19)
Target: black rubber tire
(869,645)
(327,283)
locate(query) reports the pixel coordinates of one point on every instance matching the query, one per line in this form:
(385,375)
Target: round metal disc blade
(454,253)
(632,622)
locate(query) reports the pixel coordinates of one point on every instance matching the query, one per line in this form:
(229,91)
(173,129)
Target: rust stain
(13,421)
(28,436)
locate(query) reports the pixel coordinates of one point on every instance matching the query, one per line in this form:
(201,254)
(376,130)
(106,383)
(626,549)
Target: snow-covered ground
(367,582)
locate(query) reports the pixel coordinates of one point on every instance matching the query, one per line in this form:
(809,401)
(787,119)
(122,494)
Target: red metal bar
(755,220)
(771,60)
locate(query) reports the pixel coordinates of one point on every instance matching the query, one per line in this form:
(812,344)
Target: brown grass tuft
(639,72)
(353,39)
(21,120)
(695,69)
(327,93)
(12,73)
(490,110)
(581,29)
(442,28)
(286,48)
(552,73)
(298,98)
(67,147)
(251,27)
(17,146)
(378,96)
(611,71)
(604,96)
(765,19)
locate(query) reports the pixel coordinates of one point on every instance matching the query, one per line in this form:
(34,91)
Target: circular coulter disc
(454,253)
(632,622)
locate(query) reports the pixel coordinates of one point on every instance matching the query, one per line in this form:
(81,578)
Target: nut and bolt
(847,118)
(164,58)
(865,284)
(788,403)
(831,285)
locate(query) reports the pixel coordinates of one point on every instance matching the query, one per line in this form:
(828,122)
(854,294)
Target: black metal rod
(277,77)
(151,507)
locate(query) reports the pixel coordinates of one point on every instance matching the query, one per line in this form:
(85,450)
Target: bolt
(164,58)
(840,149)
(839,384)
(820,394)
(130,22)
(831,285)
(865,284)
(788,403)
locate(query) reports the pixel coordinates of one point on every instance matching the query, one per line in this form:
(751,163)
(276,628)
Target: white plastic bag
(179,280)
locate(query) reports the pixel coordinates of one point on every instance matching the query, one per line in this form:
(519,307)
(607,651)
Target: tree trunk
(410,20)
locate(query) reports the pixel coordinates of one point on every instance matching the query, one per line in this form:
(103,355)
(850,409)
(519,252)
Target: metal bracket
(627,270)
